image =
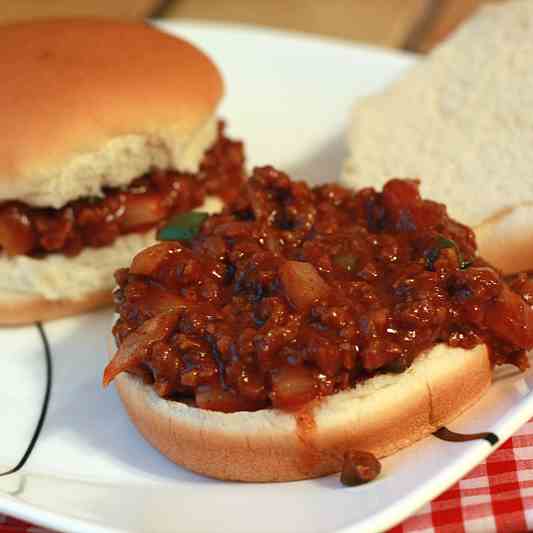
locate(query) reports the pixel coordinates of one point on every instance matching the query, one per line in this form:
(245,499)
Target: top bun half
(88,103)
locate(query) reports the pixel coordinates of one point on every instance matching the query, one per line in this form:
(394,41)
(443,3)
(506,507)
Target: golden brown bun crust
(70,86)
(20,310)
(381,416)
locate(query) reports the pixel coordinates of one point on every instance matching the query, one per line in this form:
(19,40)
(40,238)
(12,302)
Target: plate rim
(402,508)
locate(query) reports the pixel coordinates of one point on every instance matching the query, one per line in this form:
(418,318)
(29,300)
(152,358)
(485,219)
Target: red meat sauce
(294,293)
(146,203)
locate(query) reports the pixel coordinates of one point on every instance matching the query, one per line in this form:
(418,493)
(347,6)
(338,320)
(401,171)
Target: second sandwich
(109,129)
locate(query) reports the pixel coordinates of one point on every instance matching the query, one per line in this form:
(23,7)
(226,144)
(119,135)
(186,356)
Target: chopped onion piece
(147,261)
(135,347)
(292,386)
(303,284)
(142,210)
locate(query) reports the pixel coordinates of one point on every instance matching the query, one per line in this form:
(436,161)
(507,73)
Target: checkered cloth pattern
(495,497)
(12,525)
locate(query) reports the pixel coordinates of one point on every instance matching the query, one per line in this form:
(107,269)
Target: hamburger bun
(89,104)
(459,119)
(96,103)
(275,445)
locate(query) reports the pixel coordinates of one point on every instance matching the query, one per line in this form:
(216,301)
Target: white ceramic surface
(289,97)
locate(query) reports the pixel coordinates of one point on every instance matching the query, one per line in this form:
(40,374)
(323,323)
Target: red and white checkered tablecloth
(496,496)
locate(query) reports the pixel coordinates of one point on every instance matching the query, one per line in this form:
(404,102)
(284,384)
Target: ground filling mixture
(146,203)
(294,292)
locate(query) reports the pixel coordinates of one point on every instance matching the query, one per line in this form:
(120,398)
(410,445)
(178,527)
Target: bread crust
(381,416)
(73,86)
(506,239)
(26,309)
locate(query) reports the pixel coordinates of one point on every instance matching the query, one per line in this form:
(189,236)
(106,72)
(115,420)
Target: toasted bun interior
(95,103)
(56,286)
(382,415)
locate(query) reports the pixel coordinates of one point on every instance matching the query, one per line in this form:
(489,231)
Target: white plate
(288,96)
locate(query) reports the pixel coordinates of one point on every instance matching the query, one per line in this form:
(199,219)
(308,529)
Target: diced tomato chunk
(293,386)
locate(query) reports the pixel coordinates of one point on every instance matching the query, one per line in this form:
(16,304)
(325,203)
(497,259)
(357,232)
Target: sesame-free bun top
(87,103)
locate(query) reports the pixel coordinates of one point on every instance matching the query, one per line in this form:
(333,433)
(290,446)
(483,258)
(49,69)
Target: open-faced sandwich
(266,342)
(461,119)
(108,129)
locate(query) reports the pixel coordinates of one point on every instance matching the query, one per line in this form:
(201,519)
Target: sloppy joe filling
(146,203)
(294,293)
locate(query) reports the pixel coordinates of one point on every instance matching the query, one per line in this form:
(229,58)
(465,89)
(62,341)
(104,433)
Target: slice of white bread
(461,120)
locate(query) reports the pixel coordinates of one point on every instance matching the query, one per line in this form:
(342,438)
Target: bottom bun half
(381,416)
(57,286)
(25,309)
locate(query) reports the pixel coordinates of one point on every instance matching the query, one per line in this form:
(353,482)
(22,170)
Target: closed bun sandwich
(460,119)
(301,324)
(108,129)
